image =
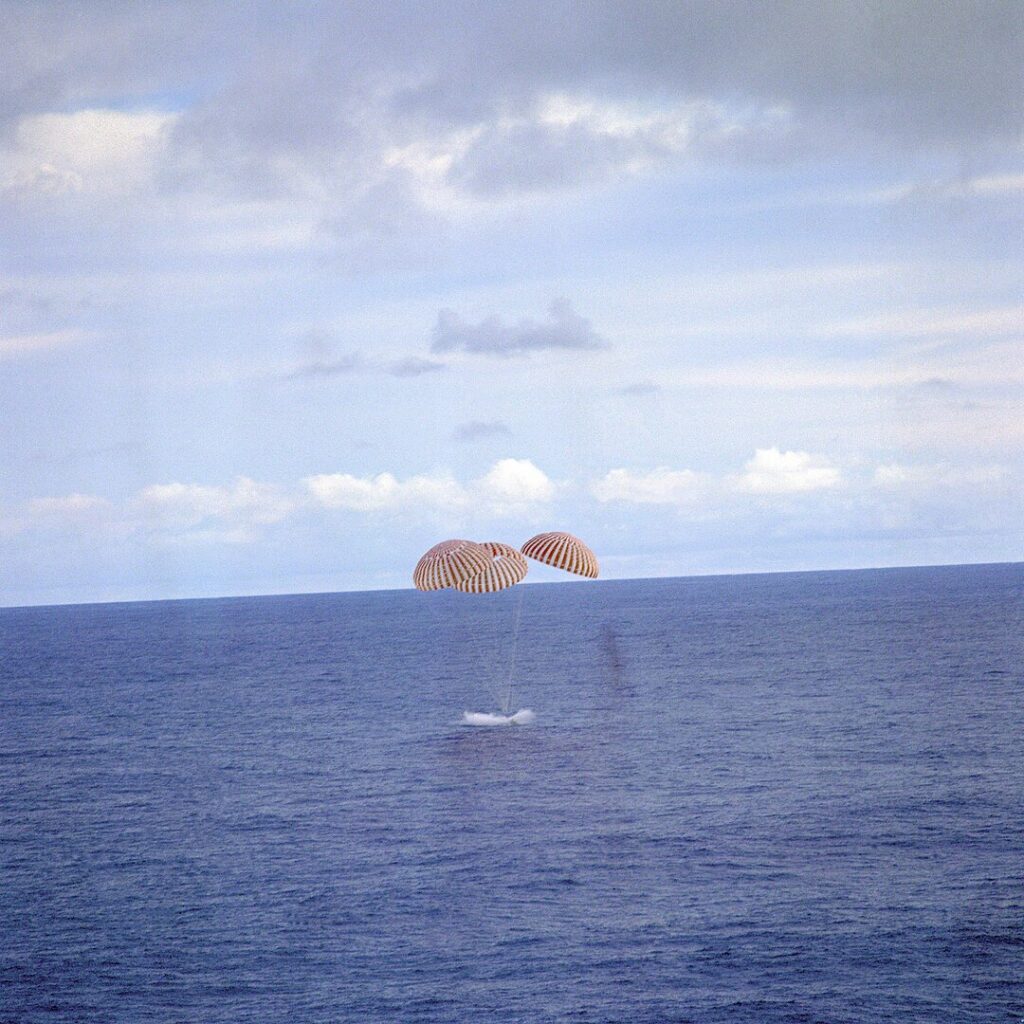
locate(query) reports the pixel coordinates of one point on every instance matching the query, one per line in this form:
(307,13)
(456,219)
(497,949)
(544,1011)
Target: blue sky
(289,293)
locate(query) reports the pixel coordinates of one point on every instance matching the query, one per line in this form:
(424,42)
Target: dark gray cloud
(564,329)
(310,108)
(909,67)
(66,55)
(476,430)
(354,119)
(268,95)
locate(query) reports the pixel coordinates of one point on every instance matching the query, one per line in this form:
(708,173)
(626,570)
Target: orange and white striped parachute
(449,563)
(507,568)
(563,551)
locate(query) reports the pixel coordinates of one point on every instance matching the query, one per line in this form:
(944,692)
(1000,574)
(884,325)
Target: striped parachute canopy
(449,563)
(563,551)
(507,568)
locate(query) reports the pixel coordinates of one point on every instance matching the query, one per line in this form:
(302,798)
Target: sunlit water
(752,799)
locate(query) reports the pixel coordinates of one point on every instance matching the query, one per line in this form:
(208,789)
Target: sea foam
(523,717)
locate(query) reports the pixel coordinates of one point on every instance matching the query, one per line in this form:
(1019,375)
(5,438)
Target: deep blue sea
(777,798)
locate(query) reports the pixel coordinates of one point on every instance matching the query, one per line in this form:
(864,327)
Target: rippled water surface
(751,799)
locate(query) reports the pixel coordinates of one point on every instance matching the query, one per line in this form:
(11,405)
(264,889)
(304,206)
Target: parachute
(507,568)
(563,551)
(491,567)
(449,563)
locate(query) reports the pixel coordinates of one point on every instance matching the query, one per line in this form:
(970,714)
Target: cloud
(509,487)
(895,475)
(639,389)
(563,330)
(944,498)
(90,151)
(364,118)
(475,430)
(366,137)
(74,514)
(1005,320)
(662,486)
(774,472)
(893,69)
(241,506)
(944,70)
(884,503)
(511,483)
(937,362)
(351,362)
(771,471)
(357,362)
(384,492)
(414,366)
(12,347)
(572,141)
(984,186)
(69,506)
(238,512)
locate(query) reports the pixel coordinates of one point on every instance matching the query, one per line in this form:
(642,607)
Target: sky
(291,291)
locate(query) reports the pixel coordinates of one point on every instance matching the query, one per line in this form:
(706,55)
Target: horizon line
(533,583)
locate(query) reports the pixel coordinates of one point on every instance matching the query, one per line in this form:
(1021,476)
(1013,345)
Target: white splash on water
(523,717)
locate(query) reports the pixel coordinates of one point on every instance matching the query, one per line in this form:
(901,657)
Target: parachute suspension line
(507,704)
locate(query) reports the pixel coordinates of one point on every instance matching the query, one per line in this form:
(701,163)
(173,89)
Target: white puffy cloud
(237,512)
(384,492)
(771,471)
(512,483)
(662,486)
(243,504)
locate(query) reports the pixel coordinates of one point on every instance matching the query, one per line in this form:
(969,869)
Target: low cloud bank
(772,482)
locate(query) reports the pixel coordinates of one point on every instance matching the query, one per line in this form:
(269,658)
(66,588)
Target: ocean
(773,798)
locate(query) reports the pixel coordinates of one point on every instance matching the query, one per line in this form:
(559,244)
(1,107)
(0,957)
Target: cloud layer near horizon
(511,488)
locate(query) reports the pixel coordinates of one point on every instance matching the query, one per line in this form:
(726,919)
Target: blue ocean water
(784,798)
